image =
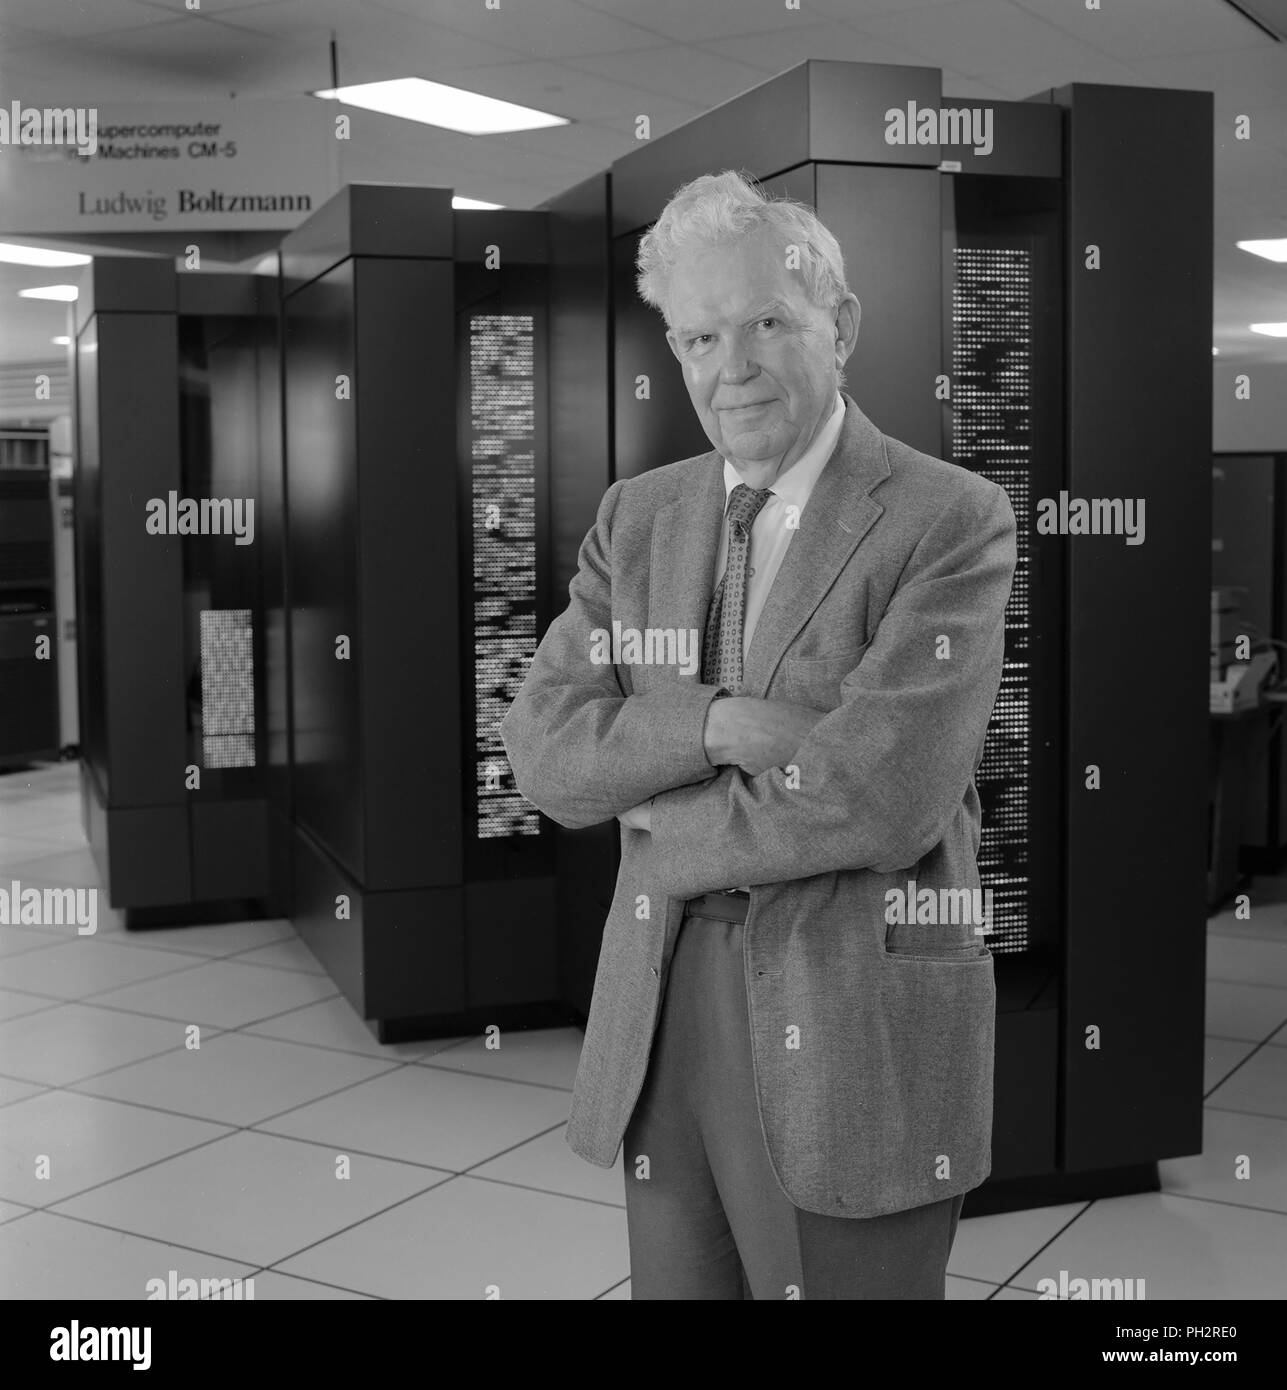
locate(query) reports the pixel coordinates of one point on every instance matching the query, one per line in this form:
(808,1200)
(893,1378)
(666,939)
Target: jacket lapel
(838,514)
(685,546)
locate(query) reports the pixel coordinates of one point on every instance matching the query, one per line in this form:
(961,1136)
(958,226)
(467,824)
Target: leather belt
(731,906)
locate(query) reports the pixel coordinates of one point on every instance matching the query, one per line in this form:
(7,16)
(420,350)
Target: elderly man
(791,1039)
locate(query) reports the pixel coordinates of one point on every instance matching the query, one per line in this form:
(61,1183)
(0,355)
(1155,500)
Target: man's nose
(735,362)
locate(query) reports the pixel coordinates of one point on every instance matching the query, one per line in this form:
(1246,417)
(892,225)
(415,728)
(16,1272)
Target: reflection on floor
(292,1148)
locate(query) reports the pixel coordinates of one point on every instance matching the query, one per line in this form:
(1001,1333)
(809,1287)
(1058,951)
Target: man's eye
(699,340)
(770,320)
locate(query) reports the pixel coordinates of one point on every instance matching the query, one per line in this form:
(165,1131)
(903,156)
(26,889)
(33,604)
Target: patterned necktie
(722,649)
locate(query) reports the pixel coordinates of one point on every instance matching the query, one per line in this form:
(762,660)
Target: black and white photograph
(602,612)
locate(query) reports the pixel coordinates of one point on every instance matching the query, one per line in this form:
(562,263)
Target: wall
(1255,424)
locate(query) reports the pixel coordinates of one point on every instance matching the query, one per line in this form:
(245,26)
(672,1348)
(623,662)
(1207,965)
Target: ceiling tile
(1152,28)
(76,18)
(774,53)
(1241,81)
(708,19)
(13,38)
(981,36)
(557,88)
(676,70)
(957,85)
(536,28)
(1029,80)
(372,42)
(590,144)
(181,58)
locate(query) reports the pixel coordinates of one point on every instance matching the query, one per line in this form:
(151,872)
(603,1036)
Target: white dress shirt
(770,534)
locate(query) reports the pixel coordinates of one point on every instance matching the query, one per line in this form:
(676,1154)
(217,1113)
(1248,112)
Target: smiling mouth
(755,405)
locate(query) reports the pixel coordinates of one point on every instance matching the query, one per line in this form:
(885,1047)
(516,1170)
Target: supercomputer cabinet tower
(415,495)
(30,657)
(1249,554)
(176,408)
(984,340)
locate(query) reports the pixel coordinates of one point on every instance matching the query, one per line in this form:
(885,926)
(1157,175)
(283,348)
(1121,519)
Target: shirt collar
(795,485)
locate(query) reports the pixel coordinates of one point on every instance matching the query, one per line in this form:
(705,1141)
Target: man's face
(760,360)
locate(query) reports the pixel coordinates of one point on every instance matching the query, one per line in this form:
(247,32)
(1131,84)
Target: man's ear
(848,317)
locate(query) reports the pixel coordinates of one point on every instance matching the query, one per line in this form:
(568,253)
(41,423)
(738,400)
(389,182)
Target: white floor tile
(425,1116)
(1243,1161)
(548,1164)
(1247,960)
(1219,1059)
(287,954)
(87,1141)
(991,1248)
(959,1289)
(1248,1013)
(14,1004)
(547,1056)
(251,1197)
(271,1288)
(11,1090)
(234,1079)
(221,994)
(217,939)
(64,868)
(47,1256)
(1180,1247)
(1257,1087)
(460,1239)
(334,1024)
(73,1041)
(80,966)
(21,941)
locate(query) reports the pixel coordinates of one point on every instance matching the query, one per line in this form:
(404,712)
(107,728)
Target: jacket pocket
(816,680)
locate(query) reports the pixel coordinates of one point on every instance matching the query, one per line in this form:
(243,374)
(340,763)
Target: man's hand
(756,734)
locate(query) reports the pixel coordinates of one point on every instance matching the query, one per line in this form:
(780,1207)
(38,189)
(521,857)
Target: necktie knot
(745,504)
(722,648)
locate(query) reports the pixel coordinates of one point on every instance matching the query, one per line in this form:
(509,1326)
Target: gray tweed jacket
(872,1041)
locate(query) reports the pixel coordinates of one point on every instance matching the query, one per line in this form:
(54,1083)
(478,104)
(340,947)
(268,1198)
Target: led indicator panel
(227,687)
(992,343)
(502,408)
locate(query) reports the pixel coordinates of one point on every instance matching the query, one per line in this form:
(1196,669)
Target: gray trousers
(708,1220)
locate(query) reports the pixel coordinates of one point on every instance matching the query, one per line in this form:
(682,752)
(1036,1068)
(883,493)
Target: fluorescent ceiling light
(434,103)
(1270,330)
(61,341)
(467,203)
(38,255)
(1272,250)
(64,292)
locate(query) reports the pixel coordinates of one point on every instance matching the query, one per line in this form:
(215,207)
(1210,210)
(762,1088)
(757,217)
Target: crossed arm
(874,782)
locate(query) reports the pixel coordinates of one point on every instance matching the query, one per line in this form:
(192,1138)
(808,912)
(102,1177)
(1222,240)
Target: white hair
(719,208)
